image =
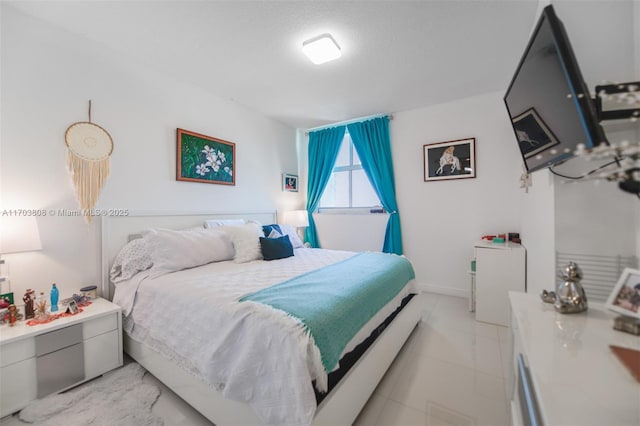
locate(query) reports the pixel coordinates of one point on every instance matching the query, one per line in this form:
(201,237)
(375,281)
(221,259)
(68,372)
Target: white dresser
(568,371)
(46,358)
(500,268)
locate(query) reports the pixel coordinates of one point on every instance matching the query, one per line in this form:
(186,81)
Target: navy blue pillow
(268,228)
(276,248)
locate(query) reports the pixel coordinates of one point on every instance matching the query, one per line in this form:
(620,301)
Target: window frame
(350,168)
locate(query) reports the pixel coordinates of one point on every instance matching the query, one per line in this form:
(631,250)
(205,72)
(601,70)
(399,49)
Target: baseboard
(448,291)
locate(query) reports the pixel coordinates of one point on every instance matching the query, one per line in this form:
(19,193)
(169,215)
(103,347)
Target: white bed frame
(340,407)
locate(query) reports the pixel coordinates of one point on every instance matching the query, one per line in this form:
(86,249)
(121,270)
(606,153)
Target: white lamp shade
(297,218)
(321,49)
(18,234)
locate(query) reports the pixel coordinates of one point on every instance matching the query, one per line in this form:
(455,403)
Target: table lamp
(299,219)
(17,234)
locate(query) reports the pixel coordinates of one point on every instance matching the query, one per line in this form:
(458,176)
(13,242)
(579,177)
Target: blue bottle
(54,298)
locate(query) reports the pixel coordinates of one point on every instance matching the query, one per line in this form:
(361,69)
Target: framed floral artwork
(205,159)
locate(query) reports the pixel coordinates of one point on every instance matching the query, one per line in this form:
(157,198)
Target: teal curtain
(373,144)
(324,146)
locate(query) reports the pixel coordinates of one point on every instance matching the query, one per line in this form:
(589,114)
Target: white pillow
(174,250)
(293,235)
(213,223)
(132,258)
(246,241)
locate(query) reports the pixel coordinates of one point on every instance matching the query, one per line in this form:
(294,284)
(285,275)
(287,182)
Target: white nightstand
(42,359)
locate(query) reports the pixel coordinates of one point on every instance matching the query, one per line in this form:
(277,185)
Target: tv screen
(548,101)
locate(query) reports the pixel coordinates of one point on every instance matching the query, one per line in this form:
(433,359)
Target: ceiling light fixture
(321,49)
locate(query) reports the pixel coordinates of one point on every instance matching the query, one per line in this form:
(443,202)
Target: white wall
(441,220)
(595,217)
(585,217)
(354,232)
(48,75)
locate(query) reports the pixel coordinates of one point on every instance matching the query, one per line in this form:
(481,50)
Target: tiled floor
(451,371)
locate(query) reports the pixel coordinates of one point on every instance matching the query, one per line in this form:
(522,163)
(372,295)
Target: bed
(268,381)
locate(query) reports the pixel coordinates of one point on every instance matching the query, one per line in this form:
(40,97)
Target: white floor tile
(460,389)
(370,413)
(395,413)
(469,350)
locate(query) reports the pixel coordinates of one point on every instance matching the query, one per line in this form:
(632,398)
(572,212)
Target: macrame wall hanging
(90,147)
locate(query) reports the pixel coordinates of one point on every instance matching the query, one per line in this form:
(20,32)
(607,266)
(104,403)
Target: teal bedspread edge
(336,301)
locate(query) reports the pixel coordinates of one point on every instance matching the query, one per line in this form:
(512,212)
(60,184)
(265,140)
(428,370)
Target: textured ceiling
(397,55)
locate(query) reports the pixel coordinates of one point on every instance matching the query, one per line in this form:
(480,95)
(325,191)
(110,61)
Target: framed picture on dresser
(625,297)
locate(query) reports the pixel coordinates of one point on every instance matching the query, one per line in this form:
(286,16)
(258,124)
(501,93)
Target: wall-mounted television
(548,101)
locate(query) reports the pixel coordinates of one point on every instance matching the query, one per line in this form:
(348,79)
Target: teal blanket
(336,301)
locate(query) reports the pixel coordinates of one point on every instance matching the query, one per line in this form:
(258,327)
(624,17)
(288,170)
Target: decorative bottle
(41,306)
(54,298)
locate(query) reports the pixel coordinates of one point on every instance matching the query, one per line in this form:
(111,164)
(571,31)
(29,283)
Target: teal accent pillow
(276,248)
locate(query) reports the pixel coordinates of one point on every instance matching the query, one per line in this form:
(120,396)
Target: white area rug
(117,398)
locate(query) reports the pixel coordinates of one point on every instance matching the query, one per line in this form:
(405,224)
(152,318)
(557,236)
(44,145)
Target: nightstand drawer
(100,325)
(17,351)
(58,339)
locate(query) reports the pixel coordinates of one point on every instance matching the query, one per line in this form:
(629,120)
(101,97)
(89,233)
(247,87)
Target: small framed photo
(72,307)
(289,182)
(625,297)
(450,160)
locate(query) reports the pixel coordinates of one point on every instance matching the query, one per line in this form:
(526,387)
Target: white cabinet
(31,356)
(568,374)
(500,268)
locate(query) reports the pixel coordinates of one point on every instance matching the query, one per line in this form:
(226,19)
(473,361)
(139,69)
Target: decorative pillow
(213,223)
(132,258)
(246,241)
(274,231)
(268,230)
(276,248)
(293,235)
(174,250)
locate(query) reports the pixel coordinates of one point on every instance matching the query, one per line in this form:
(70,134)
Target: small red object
(488,237)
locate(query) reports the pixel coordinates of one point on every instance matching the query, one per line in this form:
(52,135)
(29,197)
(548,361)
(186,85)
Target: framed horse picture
(450,160)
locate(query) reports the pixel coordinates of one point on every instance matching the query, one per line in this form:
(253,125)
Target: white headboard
(116,230)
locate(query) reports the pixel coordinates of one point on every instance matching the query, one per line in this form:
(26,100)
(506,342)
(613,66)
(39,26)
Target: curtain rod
(344,123)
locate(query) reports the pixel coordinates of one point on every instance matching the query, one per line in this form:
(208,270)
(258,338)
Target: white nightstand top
(21,330)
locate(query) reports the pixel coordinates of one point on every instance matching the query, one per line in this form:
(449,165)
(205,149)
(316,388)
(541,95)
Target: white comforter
(250,352)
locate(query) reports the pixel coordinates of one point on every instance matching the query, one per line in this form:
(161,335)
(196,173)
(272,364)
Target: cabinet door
(101,354)
(497,272)
(17,386)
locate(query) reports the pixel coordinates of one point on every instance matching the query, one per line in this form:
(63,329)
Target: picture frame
(72,307)
(625,297)
(448,160)
(533,134)
(289,182)
(205,159)
(8,297)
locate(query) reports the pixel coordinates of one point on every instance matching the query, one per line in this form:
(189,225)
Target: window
(349,186)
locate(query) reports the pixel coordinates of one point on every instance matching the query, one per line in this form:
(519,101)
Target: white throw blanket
(249,351)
